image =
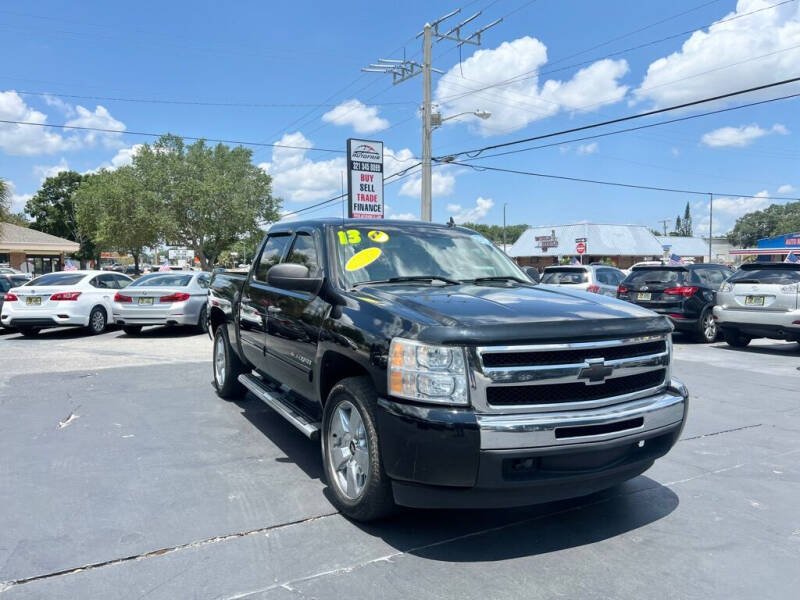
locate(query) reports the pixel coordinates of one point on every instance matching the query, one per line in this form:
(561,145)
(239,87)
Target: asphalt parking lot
(122,475)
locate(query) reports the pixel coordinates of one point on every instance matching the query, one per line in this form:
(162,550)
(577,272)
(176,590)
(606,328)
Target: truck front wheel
(227,367)
(359,485)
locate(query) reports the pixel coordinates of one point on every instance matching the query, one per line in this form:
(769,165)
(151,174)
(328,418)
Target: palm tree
(5,194)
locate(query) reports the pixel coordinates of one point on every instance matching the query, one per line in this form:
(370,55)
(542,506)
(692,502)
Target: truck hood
(498,313)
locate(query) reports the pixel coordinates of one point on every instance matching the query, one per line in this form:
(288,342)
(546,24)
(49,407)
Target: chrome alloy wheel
(348,450)
(98,321)
(219,360)
(709,327)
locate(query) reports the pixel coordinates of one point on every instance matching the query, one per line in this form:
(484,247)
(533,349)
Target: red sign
(580,247)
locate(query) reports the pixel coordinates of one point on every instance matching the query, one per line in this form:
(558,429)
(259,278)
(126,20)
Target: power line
(618,183)
(626,130)
(649,113)
(195,102)
(186,137)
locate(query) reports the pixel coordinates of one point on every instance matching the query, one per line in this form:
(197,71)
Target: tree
(119,212)
(495,232)
(678,227)
(773,220)
(52,209)
(211,196)
(17,219)
(687,222)
(5,194)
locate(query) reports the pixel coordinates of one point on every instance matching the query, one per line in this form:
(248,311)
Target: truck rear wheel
(227,367)
(351,454)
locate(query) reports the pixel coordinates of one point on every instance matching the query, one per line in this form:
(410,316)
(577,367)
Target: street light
(433,121)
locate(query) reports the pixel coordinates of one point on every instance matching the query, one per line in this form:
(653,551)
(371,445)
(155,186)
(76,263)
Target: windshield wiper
(421,278)
(496,278)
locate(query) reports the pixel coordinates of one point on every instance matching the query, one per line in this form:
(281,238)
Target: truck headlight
(427,373)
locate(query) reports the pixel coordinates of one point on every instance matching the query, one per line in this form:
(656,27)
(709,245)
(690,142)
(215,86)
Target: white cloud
(442,184)
(739,137)
(786,189)
(43,172)
(585,149)
(362,118)
(471,214)
(769,32)
(298,178)
(726,211)
(403,216)
(516,104)
(18,201)
(64,107)
(29,140)
(124,156)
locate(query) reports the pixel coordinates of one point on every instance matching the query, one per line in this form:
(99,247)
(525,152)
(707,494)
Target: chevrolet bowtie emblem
(596,372)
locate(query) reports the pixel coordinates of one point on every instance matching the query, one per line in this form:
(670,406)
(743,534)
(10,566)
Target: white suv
(760,300)
(598,279)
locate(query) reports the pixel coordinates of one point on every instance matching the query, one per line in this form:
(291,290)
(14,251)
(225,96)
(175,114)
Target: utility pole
(710,223)
(504,225)
(406,69)
(664,223)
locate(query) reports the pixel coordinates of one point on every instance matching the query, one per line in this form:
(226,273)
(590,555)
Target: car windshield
(776,275)
(163,280)
(57,279)
(565,276)
(659,275)
(384,252)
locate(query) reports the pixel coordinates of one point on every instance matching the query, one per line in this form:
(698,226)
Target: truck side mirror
(532,274)
(291,276)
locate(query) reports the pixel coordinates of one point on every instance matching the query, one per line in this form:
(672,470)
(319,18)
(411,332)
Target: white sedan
(65,298)
(165,298)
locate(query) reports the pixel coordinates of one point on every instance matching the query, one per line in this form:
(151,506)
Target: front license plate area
(644,296)
(145,300)
(33,300)
(754,300)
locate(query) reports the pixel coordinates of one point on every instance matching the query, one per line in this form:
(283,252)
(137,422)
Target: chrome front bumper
(537,430)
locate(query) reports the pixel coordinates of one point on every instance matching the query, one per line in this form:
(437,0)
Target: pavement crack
(70,418)
(705,435)
(6,585)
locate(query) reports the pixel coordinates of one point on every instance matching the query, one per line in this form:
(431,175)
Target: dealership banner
(364,179)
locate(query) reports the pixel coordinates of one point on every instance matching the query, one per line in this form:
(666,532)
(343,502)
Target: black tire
(707,329)
(202,323)
(736,339)
(97,321)
(132,329)
(29,331)
(226,382)
(374,499)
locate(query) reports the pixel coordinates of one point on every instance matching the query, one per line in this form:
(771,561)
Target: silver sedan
(169,298)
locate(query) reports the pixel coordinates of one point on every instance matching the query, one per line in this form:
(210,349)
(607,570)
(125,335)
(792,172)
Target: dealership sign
(364,179)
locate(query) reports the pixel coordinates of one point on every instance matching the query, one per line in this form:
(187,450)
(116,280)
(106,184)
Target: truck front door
(293,322)
(256,296)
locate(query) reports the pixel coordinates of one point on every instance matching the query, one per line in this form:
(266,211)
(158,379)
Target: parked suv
(760,300)
(436,374)
(684,293)
(598,279)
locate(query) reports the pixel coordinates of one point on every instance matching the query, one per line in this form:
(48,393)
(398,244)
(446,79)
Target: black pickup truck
(436,374)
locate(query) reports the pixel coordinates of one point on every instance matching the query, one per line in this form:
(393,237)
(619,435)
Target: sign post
(580,247)
(364,179)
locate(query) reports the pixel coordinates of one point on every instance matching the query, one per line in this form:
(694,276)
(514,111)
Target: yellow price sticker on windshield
(351,236)
(378,236)
(362,259)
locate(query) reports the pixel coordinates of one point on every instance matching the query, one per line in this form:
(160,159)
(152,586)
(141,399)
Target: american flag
(575,261)
(792,258)
(674,259)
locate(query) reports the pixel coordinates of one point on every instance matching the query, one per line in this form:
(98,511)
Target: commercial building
(33,251)
(773,249)
(623,245)
(691,249)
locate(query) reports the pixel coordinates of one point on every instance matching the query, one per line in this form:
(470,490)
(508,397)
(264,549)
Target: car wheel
(351,454)
(132,329)
(29,331)
(97,321)
(736,339)
(706,327)
(202,323)
(227,367)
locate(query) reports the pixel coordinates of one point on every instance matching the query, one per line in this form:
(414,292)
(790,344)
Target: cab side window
(304,252)
(104,282)
(121,281)
(271,254)
(203,281)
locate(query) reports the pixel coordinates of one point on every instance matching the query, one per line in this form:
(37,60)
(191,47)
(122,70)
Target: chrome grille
(546,377)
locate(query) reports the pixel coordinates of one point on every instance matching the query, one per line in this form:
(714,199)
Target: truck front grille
(513,395)
(569,376)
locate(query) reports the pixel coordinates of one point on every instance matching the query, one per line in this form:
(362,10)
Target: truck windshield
(381,253)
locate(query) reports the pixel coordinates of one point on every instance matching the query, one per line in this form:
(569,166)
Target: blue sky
(310,53)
